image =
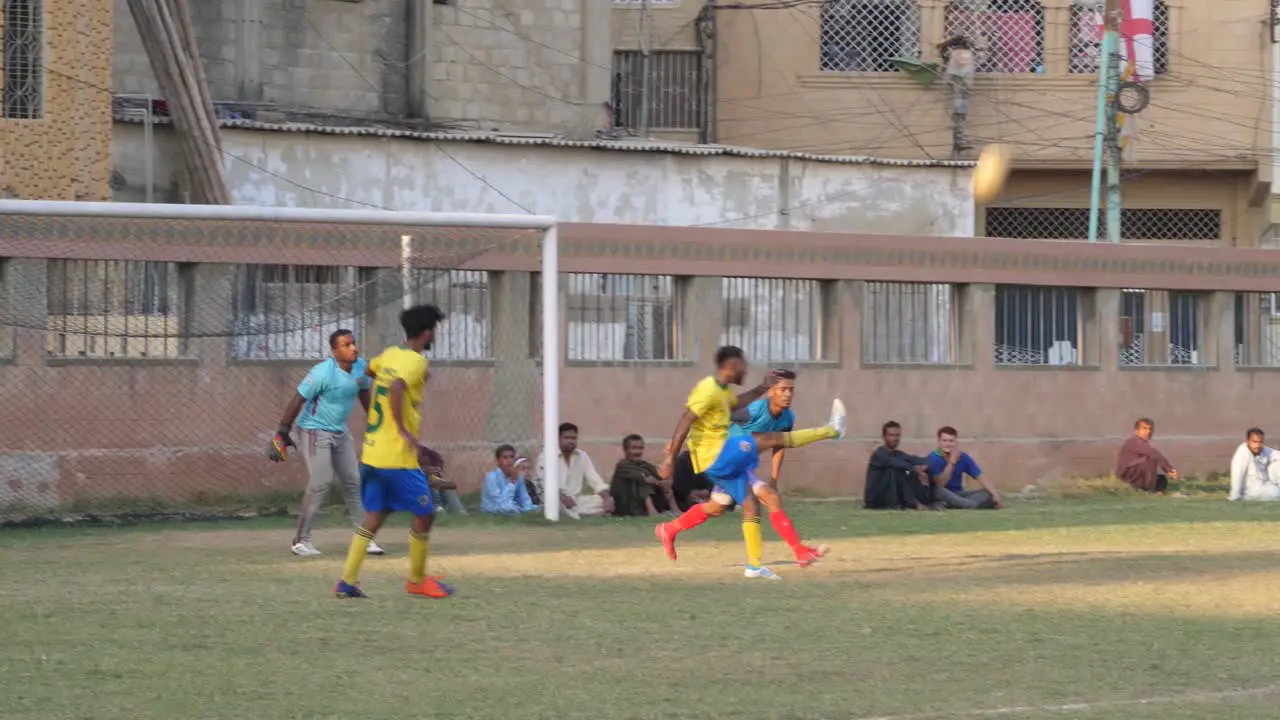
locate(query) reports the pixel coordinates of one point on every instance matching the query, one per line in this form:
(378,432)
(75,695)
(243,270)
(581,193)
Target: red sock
(692,518)
(782,525)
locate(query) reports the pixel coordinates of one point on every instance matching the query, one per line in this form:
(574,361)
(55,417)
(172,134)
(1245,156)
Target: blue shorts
(395,490)
(732,472)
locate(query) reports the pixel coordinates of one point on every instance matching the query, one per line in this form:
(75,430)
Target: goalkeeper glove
(280,444)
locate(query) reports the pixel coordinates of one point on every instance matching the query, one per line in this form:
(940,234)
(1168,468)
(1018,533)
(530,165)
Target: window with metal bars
(775,319)
(1086,37)
(1007,35)
(23,68)
(1257,329)
(617,317)
(115,309)
(1032,223)
(287,312)
(464,298)
(910,323)
(675,79)
(1160,327)
(864,35)
(1037,325)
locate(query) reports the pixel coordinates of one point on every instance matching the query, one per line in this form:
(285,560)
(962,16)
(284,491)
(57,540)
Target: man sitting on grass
(1140,464)
(504,491)
(947,468)
(1255,469)
(635,485)
(896,480)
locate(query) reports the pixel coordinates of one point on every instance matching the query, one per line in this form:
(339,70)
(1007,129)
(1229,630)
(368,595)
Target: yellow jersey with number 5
(383,446)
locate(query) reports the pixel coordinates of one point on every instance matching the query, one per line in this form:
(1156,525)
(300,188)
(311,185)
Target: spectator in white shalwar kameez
(583,493)
(1255,469)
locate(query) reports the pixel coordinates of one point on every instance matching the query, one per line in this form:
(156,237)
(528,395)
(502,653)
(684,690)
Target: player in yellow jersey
(729,455)
(391,478)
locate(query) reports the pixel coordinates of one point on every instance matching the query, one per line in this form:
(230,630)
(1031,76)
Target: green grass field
(1118,607)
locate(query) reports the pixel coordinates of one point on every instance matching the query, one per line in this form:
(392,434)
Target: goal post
(92,301)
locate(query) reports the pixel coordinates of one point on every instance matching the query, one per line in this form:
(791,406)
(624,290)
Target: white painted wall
(577,185)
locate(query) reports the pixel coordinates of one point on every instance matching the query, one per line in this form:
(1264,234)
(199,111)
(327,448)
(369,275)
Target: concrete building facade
(867,76)
(55,118)
(528,65)
(600,182)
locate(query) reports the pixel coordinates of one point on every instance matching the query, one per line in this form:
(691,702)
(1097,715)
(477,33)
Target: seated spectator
(583,493)
(896,480)
(947,468)
(1255,469)
(690,488)
(504,491)
(530,482)
(1140,464)
(444,494)
(635,485)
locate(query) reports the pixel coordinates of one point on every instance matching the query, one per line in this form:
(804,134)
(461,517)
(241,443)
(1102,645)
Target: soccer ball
(991,173)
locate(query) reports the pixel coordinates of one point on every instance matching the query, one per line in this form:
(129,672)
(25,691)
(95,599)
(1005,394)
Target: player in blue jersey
(730,455)
(324,401)
(769,414)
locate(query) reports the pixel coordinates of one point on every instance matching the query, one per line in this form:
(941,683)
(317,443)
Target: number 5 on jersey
(376,412)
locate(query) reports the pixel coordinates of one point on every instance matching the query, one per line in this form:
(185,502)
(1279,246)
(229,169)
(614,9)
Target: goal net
(148,352)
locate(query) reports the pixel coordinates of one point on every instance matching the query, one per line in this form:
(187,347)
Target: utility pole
(1106,131)
(646,68)
(1115,199)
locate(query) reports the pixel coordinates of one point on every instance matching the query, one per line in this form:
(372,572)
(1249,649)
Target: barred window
(621,317)
(463,296)
(1257,329)
(1037,325)
(23,67)
(774,319)
(287,312)
(1032,223)
(1086,37)
(1007,35)
(114,309)
(864,35)
(675,89)
(914,323)
(1160,327)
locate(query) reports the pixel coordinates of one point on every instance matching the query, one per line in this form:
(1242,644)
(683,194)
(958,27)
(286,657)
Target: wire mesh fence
(1136,224)
(1007,35)
(147,362)
(861,36)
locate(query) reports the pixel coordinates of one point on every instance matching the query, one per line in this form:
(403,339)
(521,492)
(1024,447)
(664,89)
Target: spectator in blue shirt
(504,491)
(947,468)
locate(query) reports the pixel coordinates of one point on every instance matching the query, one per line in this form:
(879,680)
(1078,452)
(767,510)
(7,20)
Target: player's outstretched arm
(751,395)
(776,468)
(363,395)
(677,441)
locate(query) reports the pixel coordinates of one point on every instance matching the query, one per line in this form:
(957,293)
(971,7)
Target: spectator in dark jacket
(896,480)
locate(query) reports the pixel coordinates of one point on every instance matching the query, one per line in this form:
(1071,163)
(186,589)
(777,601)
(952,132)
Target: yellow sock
(800,438)
(417,557)
(355,556)
(755,541)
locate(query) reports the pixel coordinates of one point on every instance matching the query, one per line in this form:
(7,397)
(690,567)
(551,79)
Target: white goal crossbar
(550,270)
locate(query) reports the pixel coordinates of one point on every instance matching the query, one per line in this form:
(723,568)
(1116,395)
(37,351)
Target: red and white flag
(1137,39)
